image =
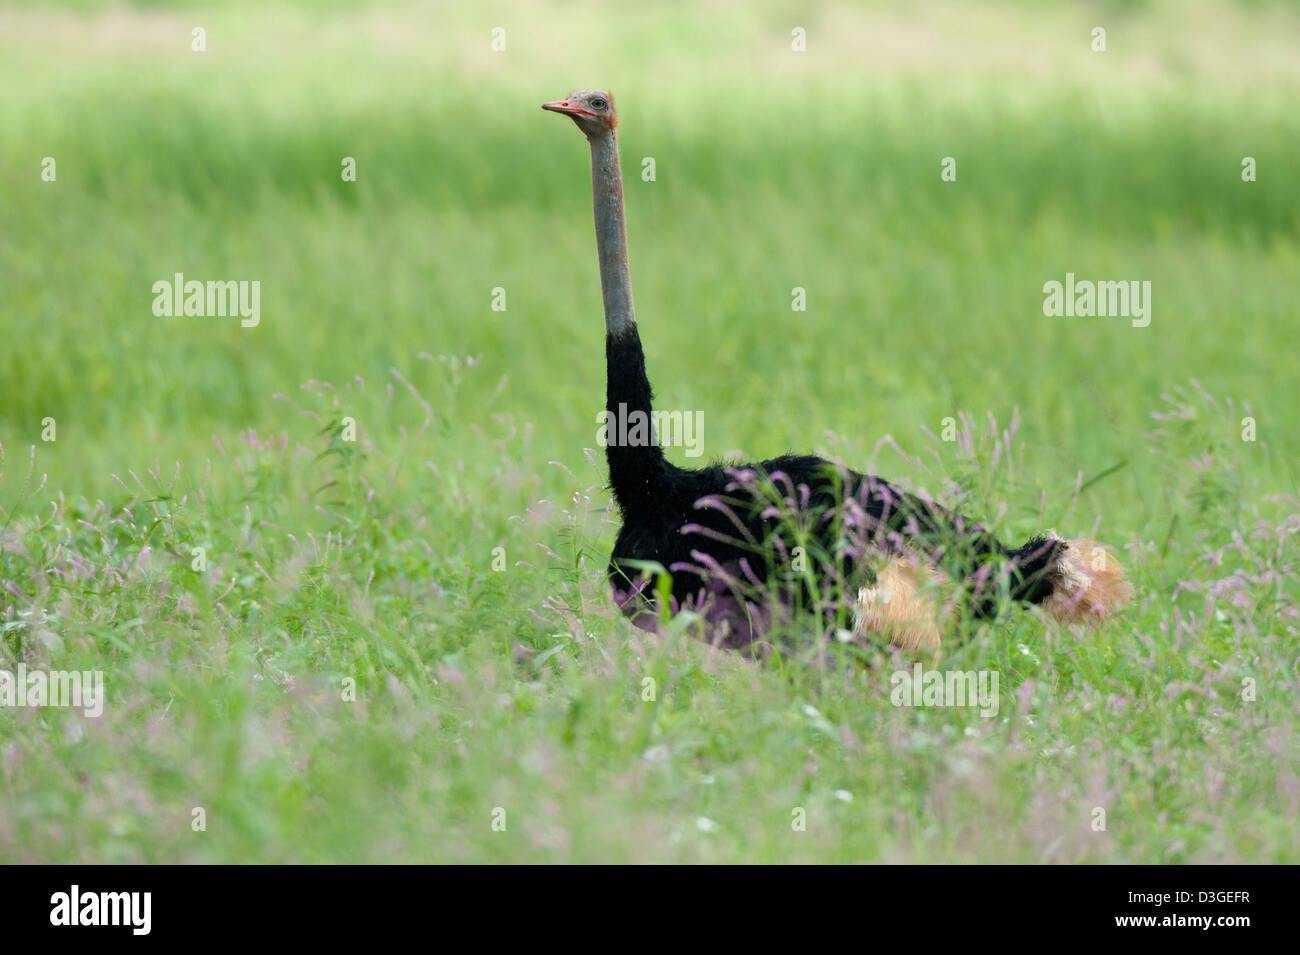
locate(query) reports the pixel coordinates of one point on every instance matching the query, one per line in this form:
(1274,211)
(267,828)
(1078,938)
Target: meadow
(343,571)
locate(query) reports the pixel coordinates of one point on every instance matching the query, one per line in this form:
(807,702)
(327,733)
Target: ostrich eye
(598,103)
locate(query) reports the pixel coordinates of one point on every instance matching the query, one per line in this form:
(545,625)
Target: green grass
(372,562)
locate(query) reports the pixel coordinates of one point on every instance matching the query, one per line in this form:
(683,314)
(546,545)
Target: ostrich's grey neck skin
(611,235)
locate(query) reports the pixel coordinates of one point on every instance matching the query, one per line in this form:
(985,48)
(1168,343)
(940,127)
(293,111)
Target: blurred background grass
(775,169)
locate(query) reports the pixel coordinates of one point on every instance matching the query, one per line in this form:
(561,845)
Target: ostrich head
(592,111)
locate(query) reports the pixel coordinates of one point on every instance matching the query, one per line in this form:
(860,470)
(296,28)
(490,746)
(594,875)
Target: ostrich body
(722,530)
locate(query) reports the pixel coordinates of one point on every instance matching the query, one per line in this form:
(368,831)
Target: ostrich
(722,531)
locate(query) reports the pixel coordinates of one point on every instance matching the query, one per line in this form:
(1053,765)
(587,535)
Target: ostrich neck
(637,468)
(611,235)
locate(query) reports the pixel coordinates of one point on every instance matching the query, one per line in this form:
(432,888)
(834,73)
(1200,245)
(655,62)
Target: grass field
(350,677)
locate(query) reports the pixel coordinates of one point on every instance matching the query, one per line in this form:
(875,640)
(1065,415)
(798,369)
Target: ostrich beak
(567,108)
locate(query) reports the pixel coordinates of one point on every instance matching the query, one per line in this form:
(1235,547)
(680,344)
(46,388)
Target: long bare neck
(611,235)
(637,468)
